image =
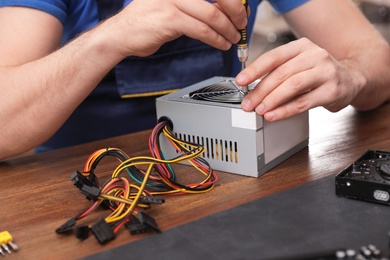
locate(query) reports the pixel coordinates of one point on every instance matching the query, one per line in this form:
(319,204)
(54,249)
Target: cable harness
(135,184)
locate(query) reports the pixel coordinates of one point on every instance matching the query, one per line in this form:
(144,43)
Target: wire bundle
(127,197)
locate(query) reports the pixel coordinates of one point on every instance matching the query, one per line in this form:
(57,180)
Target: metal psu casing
(236,141)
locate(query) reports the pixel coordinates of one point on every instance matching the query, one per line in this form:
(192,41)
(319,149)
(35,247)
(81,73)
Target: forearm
(39,91)
(37,97)
(373,63)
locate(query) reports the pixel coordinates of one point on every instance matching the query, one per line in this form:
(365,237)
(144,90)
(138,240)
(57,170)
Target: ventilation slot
(215,149)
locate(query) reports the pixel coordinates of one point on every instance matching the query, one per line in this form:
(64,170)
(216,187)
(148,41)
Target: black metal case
(368,178)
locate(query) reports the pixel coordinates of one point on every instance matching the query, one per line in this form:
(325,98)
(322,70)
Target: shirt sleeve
(283,6)
(57,8)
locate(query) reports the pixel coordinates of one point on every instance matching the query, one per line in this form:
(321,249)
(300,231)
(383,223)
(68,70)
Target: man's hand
(296,77)
(144,25)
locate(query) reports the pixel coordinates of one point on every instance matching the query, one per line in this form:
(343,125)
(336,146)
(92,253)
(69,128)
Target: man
(54,54)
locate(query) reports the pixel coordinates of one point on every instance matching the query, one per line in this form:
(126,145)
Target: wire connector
(151,200)
(82,232)
(6,243)
(147,220)
(135,227)
(102,231)
(66,226)
(104,204)
(87,187)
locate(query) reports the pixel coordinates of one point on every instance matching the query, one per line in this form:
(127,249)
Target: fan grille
(224,92)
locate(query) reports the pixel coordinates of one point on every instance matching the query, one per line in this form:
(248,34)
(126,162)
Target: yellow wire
(153,160)
(110,218)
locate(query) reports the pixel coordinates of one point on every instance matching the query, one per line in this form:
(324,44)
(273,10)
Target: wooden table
(37,195)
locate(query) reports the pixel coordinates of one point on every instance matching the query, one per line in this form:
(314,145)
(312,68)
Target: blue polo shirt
(124,101)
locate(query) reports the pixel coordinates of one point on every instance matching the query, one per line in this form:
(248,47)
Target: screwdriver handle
(242,45)
(243,32)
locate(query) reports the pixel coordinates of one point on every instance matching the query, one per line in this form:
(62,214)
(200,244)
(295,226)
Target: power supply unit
(209,113)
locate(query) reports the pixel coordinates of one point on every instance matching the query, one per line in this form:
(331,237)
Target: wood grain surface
(37,196)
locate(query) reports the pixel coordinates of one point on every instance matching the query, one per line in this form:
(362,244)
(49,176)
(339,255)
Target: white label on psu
(247,120)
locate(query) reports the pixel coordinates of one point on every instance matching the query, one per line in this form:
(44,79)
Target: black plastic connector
(80,180)
(104,204)
(82,232)
(135,227)
(66,226)
(88,188)
(102,231)
(91,193)
(151,200)
(147,220)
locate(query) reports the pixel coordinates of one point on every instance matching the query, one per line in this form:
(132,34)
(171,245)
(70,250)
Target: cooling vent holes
(215,149)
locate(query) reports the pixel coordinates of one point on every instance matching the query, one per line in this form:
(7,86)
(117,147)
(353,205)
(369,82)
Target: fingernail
(270,116)
(237,37)
(260,109)
(241,78)
(244,23)
(228,45)
(245,104)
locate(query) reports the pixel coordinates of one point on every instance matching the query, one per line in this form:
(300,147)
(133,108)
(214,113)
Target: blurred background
(271,30)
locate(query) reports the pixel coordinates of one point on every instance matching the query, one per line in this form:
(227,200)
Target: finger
(325,75)
(294,77)
(213,21)
(277,77)
(298,105)
(331,94)
(196,29)
(270,60)
(236,12)
(293,87)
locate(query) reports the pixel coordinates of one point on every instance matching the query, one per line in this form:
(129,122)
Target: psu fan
(209,113)
(222,91)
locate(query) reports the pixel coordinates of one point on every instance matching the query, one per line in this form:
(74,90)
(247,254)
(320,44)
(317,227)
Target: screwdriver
(242,48)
